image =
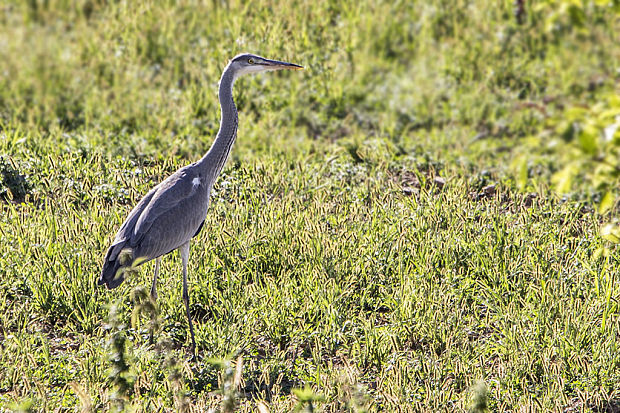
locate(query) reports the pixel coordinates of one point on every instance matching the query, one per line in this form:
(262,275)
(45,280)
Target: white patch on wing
(196,181)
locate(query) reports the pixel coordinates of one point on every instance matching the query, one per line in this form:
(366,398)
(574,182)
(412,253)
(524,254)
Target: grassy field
(385,235)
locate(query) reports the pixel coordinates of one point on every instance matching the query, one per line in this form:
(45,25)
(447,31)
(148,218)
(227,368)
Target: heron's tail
(115,265)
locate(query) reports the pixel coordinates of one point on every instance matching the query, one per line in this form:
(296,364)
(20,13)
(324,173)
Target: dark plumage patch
(199,228)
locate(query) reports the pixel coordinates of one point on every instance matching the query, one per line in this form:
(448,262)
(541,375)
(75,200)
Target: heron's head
(248,63)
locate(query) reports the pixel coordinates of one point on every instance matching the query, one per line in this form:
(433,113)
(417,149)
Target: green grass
(334,264)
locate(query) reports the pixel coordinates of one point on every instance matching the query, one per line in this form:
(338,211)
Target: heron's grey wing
(126,230)
(173,215)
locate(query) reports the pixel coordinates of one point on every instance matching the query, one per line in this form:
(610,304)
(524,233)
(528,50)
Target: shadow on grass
(610,406)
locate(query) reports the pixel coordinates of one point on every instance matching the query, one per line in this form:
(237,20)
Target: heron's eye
(251,61)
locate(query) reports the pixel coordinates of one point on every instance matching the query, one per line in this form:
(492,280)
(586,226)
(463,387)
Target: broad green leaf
(563,180)
(588,139)
(614,101)
(606,203)
(600,252)
(611,232)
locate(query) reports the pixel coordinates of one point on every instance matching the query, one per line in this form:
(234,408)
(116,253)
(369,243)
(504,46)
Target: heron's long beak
(276,64)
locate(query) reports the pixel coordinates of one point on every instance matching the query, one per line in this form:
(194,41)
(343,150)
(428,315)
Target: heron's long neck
(216,157)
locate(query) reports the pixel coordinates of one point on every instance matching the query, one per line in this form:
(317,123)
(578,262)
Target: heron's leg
(184,250)
(154,286)
(154,292)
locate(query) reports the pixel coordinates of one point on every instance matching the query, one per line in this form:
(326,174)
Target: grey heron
(173,212)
